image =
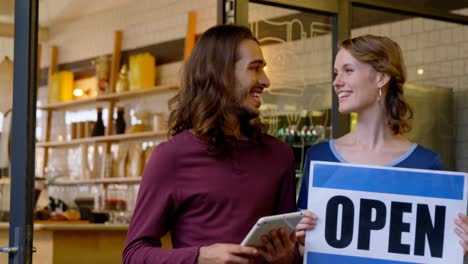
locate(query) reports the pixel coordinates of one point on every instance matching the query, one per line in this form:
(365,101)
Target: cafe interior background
(79,164)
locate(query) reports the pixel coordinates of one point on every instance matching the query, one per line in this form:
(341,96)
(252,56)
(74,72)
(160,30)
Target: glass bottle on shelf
(119,123)
(99,129)
(122,83)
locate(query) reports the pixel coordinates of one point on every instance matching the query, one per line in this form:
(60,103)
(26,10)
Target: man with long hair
(219,172)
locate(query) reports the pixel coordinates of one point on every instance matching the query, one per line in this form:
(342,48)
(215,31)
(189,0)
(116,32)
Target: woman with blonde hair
(370,74)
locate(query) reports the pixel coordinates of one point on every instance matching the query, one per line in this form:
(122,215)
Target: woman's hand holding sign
(462,231)
(307,223)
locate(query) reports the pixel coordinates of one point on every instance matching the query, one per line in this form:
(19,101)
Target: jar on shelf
(159,122)
(142,122)
(88,128)
(102,64)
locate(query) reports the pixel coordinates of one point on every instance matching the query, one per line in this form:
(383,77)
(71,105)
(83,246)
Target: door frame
(23,136)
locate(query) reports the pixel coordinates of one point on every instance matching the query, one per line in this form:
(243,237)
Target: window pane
(297,47)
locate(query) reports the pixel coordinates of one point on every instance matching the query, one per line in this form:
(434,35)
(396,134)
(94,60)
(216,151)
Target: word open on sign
(384,215)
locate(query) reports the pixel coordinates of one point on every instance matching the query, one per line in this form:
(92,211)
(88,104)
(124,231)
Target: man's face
(251,78)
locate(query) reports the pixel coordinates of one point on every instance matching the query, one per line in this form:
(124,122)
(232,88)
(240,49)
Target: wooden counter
(69,243)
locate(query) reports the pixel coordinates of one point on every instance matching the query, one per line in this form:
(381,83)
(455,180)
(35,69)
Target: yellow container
(61,88)
(142,71)
(54,89)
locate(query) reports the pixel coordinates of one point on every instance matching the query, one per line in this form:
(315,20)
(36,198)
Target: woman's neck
(372,130)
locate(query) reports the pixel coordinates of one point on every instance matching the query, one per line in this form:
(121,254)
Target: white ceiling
(55,11)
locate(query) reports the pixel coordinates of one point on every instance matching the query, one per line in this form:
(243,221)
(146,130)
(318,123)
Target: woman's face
(356,83)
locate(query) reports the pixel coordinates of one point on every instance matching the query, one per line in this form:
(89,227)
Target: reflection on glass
(297,47)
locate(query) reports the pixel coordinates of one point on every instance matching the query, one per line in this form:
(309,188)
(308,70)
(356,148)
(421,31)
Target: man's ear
(383,79)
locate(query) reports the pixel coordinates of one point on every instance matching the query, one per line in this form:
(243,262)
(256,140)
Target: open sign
(370,214)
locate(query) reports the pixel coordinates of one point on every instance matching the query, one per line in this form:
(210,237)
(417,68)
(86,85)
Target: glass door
(6,101)
(298,47)
(18,36)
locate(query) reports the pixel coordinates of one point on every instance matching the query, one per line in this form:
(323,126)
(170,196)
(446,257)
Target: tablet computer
(268,223)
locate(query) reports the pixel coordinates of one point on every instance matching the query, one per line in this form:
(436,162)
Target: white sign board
(383,215)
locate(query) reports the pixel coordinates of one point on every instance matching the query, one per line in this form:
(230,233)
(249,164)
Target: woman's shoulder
(321,151)
(423,158)
(424,152)
(321,146)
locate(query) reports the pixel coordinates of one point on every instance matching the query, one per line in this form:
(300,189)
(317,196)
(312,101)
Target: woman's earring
(379,96)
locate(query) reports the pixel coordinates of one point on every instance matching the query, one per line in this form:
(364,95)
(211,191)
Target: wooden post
(110,124)
(52,70)
(53,64)
(191,33)
(115,67)
(116,56)
(46,138)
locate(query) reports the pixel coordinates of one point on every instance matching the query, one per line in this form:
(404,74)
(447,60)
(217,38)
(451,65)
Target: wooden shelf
(103,139)
(127,180)
(136,93)
(109,97)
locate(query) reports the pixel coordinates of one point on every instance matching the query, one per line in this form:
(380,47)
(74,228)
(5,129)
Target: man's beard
(245,114)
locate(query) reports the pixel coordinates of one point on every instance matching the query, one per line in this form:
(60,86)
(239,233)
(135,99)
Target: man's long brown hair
(207,95)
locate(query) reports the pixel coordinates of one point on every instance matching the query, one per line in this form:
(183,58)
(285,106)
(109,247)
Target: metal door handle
(13,250)
(8,250)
